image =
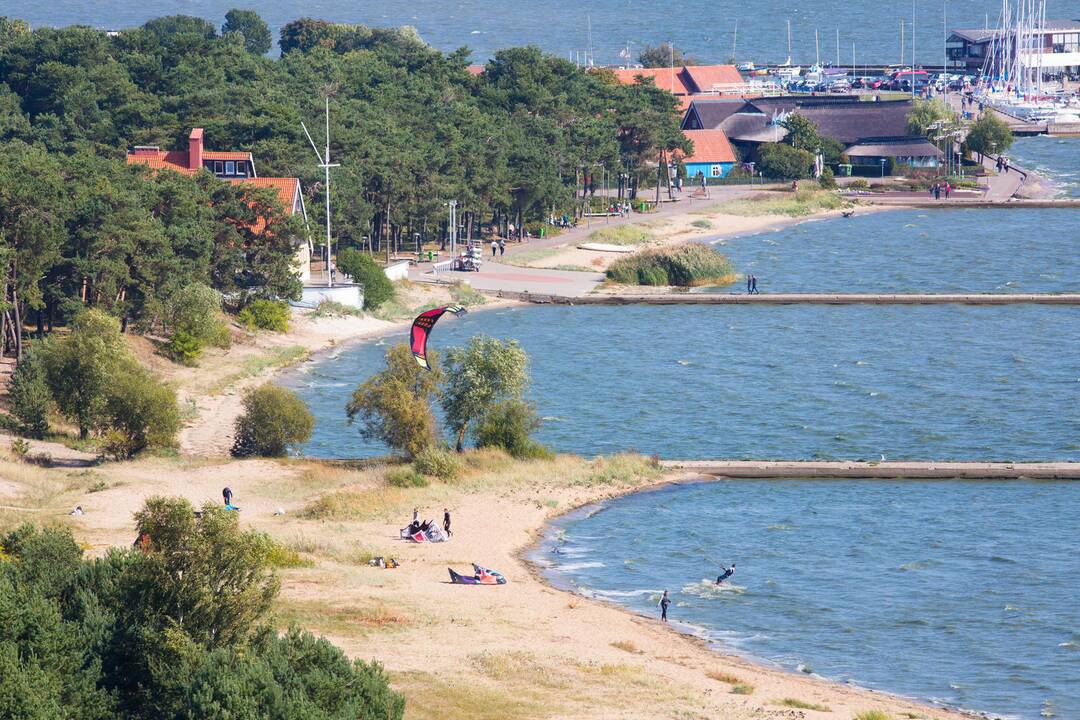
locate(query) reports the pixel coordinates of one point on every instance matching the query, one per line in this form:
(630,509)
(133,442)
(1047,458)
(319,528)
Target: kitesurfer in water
(727,572)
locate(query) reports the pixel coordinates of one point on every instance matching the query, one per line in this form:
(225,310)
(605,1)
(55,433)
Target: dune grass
(623,235)
(339,620)
(801,204)
(724,677)
(801,704)
(873,715)
(626,646)
(466,295)
(702,224)
(275,357)
(742,690)
(685,265)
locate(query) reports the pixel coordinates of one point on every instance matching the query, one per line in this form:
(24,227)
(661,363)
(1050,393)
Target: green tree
(29,393)
(274,420)
(927,113)
(509,425)
(195,309)
(365,272)
(782,161)
(483,373)
(82,367)
(256,32)
(141,411)
(664,55)
(394,405)
(803,134)
(989,136)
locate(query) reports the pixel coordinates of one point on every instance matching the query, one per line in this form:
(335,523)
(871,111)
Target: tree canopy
(664,55)
(989,135)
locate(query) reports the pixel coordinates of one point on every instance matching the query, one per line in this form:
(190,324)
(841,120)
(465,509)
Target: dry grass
(430,696)
(626,646)
(800,704)
(520,668)
(801,204)
(724,677)
(623,235)
(252,365)
(381,503)
(742,690)
(342,620)
(873,715)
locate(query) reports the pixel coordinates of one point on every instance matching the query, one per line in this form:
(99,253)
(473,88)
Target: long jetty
(689,298)
(878,470)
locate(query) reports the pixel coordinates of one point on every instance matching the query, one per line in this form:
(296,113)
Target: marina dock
(879,470)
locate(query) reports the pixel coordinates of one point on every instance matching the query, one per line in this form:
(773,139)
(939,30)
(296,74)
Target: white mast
(325,164)
(788,42)
(735,40)
(913,49)
(817,49)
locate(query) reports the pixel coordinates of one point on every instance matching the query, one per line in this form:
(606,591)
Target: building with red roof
(713,155)
(236,167)
(688,79)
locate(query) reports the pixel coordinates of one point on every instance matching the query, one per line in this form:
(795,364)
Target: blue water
(960,592)
(929,251)
(704,29)
(1058,159)
(930,382)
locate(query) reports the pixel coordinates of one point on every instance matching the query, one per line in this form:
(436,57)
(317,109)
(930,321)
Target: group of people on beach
(445,519)
(665,601)
(751,285)
(939,189)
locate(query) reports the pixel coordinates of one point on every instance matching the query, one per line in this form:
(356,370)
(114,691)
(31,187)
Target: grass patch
(466,295)
(341,619)
(406,478)
(724,677)
(743,689)
(702,224)
(278,357)
(801,704)
(352,554)
(873,715)
(283,556)
(527,257)
(623,235)
(431,696)
(685,265)
(372,504)
(518,667)
(801,204)
(626,646)
(573,268)
(626,468)
(332,309)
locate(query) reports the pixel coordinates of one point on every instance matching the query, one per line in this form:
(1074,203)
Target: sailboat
(787,71)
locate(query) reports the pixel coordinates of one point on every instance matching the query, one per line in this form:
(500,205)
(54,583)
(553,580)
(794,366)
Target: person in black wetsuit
(446,521)
(226,494)
(728,572)
(664,602)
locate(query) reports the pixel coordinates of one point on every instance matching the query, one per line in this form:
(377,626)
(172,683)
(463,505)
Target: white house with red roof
(232,166)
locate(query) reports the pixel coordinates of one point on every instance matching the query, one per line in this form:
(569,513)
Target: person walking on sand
(663,605)
(494,246)
(416,514)
(226,495)
(446,522)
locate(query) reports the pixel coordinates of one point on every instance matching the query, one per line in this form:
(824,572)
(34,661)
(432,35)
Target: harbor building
(1055,47)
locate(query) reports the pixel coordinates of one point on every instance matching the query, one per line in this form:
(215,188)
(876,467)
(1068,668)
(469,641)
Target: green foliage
(989,135)
(142,410)
(255,31)
(406,477)
(873,715)
(827,179)
(483,373)
(509,425)
(780,160)
(623,235)
(366,273)
(803,134)
(29,393)
(20,448)
(265,314)
(664,55)
(437,462)
(466,296)
(185,348)
(683,265)
(195,311)
(394,406)
(925,113)
(332,309)
(274,420)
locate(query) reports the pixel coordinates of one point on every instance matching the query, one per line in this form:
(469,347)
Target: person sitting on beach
(727,572)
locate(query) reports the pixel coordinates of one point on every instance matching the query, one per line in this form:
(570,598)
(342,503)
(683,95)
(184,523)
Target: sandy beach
(523,650)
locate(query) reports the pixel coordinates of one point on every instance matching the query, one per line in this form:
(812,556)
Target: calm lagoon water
(932,382)
(905,251)
(704,29)
(960,592)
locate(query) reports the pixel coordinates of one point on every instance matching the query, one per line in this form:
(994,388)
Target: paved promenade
(687,298)
(885,469)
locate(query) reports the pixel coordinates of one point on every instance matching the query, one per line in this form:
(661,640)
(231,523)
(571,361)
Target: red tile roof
(475,69)
(710,146)
(161,159)
(287,189)
(712,78)
(225,155)
(665,78)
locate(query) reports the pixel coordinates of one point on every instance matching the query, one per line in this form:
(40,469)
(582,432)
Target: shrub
(330,308)
(684,265)
(265,315)
(20,448)
(366,272)
(874,714)
(484,372)
(185,348)
(406,478)
(859,184)
(780,160)
(827,179)
(394,406)
(466,296)
(437,463)
(742,690)
(140,412)
(509,425)
(195,310)
(29,392)
(274,419)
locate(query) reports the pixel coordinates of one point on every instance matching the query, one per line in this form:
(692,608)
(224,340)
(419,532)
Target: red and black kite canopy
(421,330)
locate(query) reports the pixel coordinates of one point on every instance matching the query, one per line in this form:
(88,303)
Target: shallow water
(960,592)
(704,29)
(916,251)
(929,382)
(1058,159)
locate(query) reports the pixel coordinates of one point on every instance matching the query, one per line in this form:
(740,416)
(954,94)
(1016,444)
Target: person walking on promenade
(663,605)
(948,189)
(753,285)
(502,247)
(748,288)
(494,246)
(446,522)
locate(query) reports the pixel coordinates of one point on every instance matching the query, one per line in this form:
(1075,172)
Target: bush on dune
(685,265)
(274,420)
(365,272)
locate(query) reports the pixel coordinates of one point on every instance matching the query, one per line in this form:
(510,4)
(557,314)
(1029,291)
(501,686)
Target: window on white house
(219,167)
(230,167)
(241,168)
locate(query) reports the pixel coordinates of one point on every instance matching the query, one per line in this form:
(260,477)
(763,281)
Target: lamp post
(751,173)
(882,161)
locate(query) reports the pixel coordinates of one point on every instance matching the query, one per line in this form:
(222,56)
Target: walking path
(883,469)
(686,298)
